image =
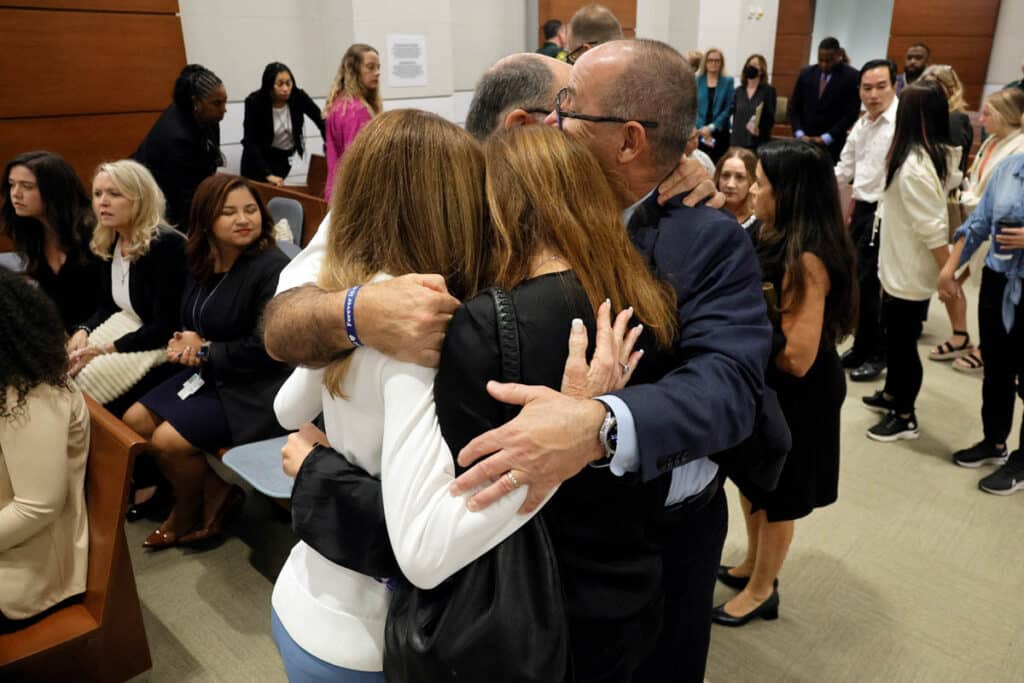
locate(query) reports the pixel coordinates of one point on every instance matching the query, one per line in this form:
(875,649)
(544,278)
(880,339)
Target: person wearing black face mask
(755,105)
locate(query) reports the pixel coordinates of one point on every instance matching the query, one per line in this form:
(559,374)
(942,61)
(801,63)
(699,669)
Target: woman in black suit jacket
(273,125)
(751,127)
(224,395)
(142,275)
(183,146)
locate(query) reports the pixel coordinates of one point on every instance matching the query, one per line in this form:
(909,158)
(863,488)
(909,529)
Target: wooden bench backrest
(316,175)
(112,452)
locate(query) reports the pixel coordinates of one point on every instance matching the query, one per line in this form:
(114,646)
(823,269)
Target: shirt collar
(627,214)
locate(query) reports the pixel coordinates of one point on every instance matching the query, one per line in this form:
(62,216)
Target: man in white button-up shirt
(862,163)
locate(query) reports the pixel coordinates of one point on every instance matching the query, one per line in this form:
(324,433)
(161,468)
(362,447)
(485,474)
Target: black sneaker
(868,372)
(851,360)
(878,403)
(1008,478)
(893,428)
(981,453)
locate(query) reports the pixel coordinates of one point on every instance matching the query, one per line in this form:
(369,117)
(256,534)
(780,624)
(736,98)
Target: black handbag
(500,619)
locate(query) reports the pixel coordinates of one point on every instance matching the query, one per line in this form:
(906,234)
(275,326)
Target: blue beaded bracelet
(350,315)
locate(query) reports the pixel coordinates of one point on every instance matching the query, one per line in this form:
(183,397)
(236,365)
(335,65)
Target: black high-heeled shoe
(737,582)
(767,610)
(157,506)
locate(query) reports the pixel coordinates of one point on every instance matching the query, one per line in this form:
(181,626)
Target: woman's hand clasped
(298,446)
(81,357)
(613,362)
(183,348)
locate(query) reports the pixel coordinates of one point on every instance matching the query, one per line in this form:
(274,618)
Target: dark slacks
(693,541)
(867,343)
(903,322)
(1003,353)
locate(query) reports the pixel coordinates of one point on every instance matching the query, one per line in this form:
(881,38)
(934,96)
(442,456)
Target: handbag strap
(508,338)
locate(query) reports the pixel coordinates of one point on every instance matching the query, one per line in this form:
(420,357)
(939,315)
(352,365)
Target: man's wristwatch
(608,434)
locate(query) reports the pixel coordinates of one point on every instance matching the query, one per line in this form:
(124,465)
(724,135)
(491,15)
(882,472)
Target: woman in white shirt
(923,167)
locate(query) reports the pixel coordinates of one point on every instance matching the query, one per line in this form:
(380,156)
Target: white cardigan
(388,426)
(915,221)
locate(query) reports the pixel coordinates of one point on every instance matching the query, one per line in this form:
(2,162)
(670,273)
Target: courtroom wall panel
(958,33)
(92,75)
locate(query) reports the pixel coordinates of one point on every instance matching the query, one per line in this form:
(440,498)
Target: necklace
(540,266)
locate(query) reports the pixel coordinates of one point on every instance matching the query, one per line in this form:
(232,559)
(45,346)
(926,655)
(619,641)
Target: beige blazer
(44,531)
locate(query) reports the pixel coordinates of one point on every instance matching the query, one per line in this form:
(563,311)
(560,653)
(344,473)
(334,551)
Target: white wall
(862,28)
(237,38)
(737,27)
(1007,52)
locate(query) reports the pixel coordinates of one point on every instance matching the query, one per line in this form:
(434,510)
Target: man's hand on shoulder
(691,176)
(550,441)
(406,317)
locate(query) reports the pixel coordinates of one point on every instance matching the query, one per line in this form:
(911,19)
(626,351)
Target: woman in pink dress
(354,99)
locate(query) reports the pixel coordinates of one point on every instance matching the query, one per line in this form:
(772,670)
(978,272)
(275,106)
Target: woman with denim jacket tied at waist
(999,216)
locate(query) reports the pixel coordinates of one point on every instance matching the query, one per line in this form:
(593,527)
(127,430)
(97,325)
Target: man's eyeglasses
(578,52)
(562,114)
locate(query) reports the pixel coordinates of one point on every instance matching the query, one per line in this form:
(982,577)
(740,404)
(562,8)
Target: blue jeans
(302,667)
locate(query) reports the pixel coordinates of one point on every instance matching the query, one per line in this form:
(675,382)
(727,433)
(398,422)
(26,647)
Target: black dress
(235,403)
(609,563)
(811,404)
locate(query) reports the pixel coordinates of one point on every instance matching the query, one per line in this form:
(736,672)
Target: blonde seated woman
(44,444)
(140,288)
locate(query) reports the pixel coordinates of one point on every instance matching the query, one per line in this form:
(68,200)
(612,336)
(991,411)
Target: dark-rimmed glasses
(561,114)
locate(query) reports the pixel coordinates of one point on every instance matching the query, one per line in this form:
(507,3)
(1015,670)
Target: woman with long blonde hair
(354,98)
(556,242)
(141,283)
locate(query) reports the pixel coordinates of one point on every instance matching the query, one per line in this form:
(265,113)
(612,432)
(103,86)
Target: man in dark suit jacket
(826,101)
(704,406)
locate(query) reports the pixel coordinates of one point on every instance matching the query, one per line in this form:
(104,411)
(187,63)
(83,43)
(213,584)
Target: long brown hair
(207,205)
(413,203)
(347,82)
(546,189)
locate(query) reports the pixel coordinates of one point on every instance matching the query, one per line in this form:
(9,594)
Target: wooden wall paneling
(135,6)
(958,33)
(624,11)
(942,17)
(84,141)
(792,43)
(90,62)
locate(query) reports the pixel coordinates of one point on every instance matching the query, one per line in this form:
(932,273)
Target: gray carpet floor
(913,575)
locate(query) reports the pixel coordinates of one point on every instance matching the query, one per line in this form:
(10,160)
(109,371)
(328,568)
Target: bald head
(517,90)
(647,80)
(592,25)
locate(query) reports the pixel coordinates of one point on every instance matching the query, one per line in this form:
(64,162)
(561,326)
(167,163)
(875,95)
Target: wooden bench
(316,175)
(100,639)
(313,208)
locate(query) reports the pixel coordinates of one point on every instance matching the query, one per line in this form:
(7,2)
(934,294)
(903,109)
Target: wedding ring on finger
(512,479)
(625,368)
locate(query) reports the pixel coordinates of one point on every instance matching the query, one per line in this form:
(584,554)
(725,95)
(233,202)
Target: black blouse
(599,523)
(226,310)
(75,288)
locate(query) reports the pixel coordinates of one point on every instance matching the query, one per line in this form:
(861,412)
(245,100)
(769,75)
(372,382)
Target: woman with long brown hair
(354,98)
(558,244)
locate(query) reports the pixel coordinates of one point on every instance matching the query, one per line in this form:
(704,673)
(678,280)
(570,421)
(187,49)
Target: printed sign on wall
(407,60)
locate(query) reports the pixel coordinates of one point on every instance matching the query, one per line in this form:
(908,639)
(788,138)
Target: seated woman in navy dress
(224,393)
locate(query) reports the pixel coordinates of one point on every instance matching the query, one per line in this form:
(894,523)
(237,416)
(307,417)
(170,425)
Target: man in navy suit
(825,102)
(634,104)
